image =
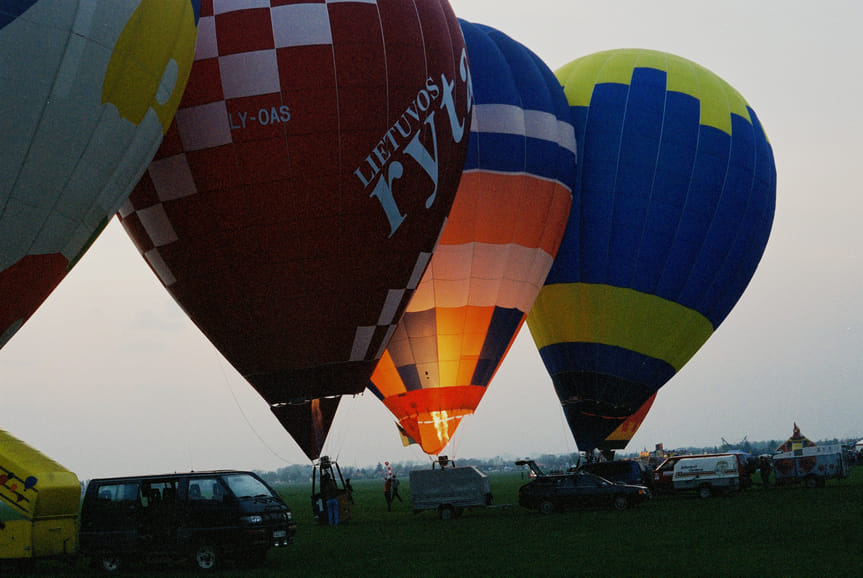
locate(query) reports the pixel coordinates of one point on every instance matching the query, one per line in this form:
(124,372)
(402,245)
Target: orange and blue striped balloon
(496,249)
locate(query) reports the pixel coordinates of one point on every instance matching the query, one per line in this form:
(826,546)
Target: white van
(707,475)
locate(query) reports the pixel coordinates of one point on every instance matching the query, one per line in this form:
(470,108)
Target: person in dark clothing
(764,470)
(331,495)
(350,490)
(396,488)
(388,488)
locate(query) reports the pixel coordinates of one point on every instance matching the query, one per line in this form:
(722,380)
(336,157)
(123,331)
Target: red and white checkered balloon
(296,200)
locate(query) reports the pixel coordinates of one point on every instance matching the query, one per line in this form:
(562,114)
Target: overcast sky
(109,377)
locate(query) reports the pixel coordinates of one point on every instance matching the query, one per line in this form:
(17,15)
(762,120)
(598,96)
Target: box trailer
(39,503)
(449,489)
(811,465)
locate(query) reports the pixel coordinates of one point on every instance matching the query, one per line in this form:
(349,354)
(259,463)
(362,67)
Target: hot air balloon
(295,202)
(87,89)
(496,248)
(677,186)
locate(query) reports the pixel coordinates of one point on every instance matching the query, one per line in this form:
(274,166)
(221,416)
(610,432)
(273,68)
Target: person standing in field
(350,490)
(396,489)
(764,470)
(388,487)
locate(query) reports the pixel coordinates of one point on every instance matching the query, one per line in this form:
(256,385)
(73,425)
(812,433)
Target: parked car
(199,516)
(579,489)
(623,471)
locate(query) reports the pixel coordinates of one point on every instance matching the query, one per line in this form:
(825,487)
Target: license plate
(280,534)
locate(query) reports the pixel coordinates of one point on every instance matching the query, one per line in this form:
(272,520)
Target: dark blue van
(202,517)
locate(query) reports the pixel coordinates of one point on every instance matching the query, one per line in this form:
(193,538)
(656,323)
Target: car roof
(150,477)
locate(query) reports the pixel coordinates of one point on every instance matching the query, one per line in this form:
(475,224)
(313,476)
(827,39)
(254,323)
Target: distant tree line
(302,474)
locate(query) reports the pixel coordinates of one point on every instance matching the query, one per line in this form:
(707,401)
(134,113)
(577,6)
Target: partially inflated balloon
(496,249)
(296,201)
(88,89)
(677,189)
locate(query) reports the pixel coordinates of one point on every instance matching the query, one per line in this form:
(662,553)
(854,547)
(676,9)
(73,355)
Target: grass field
(788,531)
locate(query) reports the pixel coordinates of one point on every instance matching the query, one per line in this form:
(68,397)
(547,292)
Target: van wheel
(446,512)
(704,491)
(205,557)
(546,507)
(621,503)
(811,482)
(108,563)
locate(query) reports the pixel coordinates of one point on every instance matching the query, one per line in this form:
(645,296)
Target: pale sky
(109,377)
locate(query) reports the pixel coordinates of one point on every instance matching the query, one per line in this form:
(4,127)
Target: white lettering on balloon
(404,139)
(263,116)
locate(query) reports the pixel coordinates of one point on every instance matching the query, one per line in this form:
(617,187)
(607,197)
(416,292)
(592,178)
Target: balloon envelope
(295,203)
(676,184)
(502,234)
(87,90)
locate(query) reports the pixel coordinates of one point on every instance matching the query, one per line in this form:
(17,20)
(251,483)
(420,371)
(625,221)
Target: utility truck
(707,475)
(39,504)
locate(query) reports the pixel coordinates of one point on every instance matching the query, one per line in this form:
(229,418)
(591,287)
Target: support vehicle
(201,517)
(576,490)
(707,475)
(812,465)
(663,474)
(448,489)
(39,504)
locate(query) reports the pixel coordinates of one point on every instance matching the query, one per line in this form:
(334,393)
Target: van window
(161,492)
(120,494)
(206,489)
(245,486)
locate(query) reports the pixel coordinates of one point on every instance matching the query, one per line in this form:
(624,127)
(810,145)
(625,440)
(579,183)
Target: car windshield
(246,486)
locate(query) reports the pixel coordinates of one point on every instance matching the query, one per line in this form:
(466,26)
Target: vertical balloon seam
(629,304)
(677,336)
(703,95)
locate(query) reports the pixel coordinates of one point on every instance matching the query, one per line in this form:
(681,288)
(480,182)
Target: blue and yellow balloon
(88,89)
(676,190)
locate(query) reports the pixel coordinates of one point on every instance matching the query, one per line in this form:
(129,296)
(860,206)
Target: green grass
(788,531)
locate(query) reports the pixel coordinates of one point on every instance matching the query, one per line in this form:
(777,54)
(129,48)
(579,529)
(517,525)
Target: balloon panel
(295,202)
(496,249)
(677,188)
(620,437)
(88,89)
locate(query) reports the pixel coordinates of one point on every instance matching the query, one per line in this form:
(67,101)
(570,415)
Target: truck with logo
(663,474)
(39,504)
(707,475)
(810,465)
